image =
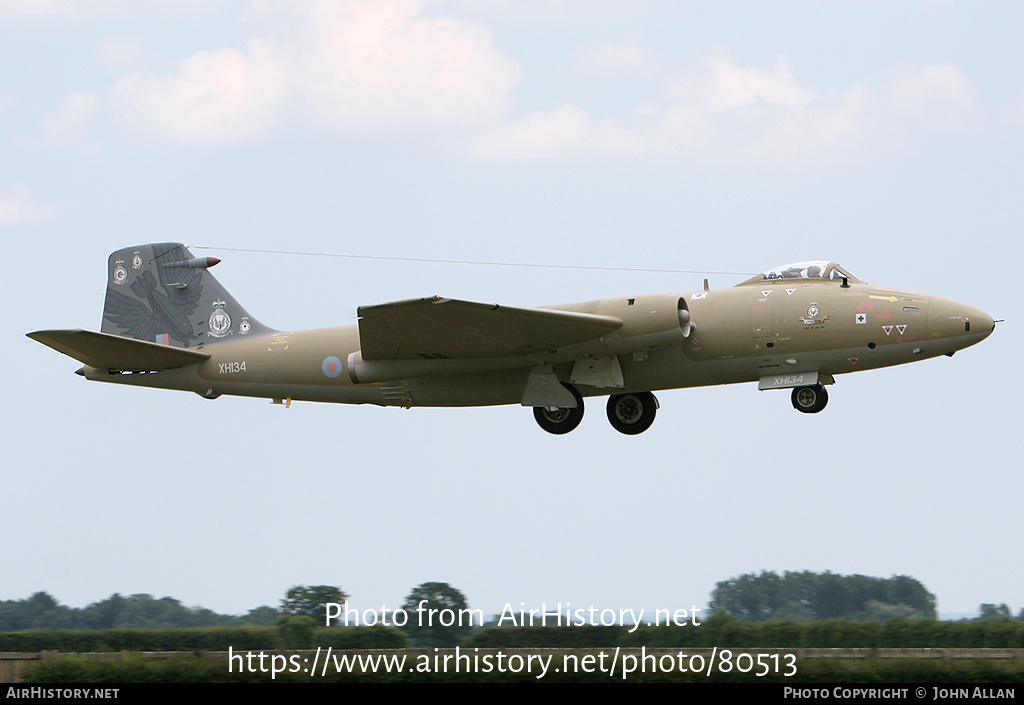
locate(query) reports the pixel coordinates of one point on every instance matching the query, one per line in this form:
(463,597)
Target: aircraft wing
(439,328)
(114,352)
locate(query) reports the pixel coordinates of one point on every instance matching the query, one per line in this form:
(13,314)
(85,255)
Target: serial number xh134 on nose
(168,323)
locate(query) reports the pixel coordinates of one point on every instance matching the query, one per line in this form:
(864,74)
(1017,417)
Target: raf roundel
(331,366)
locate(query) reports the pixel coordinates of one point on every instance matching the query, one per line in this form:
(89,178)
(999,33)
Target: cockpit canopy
(820,270)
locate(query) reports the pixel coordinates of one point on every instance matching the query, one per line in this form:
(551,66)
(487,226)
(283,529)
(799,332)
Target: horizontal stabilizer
(114,352)
(439,328)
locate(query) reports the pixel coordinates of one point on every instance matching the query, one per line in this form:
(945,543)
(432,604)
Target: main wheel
(632,413)
(810,400)
(561,419)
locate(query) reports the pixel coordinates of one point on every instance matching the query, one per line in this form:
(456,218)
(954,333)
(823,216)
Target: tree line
(140,611)
(807,597)
(301,612)
(799,597)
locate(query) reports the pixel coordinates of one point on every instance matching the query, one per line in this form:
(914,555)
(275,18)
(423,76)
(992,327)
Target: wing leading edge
(438,328)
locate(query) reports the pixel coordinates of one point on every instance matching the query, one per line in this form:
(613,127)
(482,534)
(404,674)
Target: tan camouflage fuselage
(169,324)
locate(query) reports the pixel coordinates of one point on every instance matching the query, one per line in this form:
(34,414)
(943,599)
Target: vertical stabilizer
(162,293)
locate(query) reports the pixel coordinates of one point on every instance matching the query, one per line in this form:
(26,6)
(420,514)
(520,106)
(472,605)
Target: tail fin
(162,293)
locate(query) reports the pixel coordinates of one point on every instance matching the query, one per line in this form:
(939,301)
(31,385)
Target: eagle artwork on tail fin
(170,302)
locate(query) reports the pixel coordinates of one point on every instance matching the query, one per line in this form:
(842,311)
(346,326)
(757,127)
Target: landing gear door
(797,379)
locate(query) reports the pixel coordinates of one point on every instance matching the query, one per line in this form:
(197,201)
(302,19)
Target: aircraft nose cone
(981,322)
(958,324)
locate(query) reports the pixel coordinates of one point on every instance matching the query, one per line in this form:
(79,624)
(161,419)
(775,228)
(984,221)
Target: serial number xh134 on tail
(168,323)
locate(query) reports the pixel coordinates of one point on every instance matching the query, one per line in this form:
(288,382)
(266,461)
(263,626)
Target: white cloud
(568,131)
(56,8)
(355,65)
(720,110)
(725,87)
(18,206)
(36,8)
(935,99)
(751,112)
(215,96)
(374,65)
(937,81)
(380,65)
(836,117)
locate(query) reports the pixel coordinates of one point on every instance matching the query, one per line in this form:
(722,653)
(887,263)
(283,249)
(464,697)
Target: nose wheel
(810,400)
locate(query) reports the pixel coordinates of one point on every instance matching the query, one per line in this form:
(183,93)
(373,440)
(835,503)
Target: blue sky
(693,136)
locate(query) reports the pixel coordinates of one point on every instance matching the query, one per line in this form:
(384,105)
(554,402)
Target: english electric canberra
(168,323)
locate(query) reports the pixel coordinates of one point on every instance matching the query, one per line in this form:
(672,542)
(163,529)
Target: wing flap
(114,352)
(439,328)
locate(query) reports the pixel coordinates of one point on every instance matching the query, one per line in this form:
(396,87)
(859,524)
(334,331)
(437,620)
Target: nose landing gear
(810,400)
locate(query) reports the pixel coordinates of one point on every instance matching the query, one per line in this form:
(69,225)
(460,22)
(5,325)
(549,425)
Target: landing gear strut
(632,413)
(810,400)
(560,419)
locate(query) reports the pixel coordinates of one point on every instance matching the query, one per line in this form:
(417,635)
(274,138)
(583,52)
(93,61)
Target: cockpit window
(836,273)
(812,270)
(798,270)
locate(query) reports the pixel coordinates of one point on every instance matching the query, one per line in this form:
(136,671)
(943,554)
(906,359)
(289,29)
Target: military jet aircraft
(168,323)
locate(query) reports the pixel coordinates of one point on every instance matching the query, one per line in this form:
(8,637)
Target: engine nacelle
(652,321)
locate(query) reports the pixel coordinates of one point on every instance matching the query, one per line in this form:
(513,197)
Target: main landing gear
(559,419)
(810,400)
(628,413)
(632,413)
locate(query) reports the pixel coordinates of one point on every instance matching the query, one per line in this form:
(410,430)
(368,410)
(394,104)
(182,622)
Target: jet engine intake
(655,321)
